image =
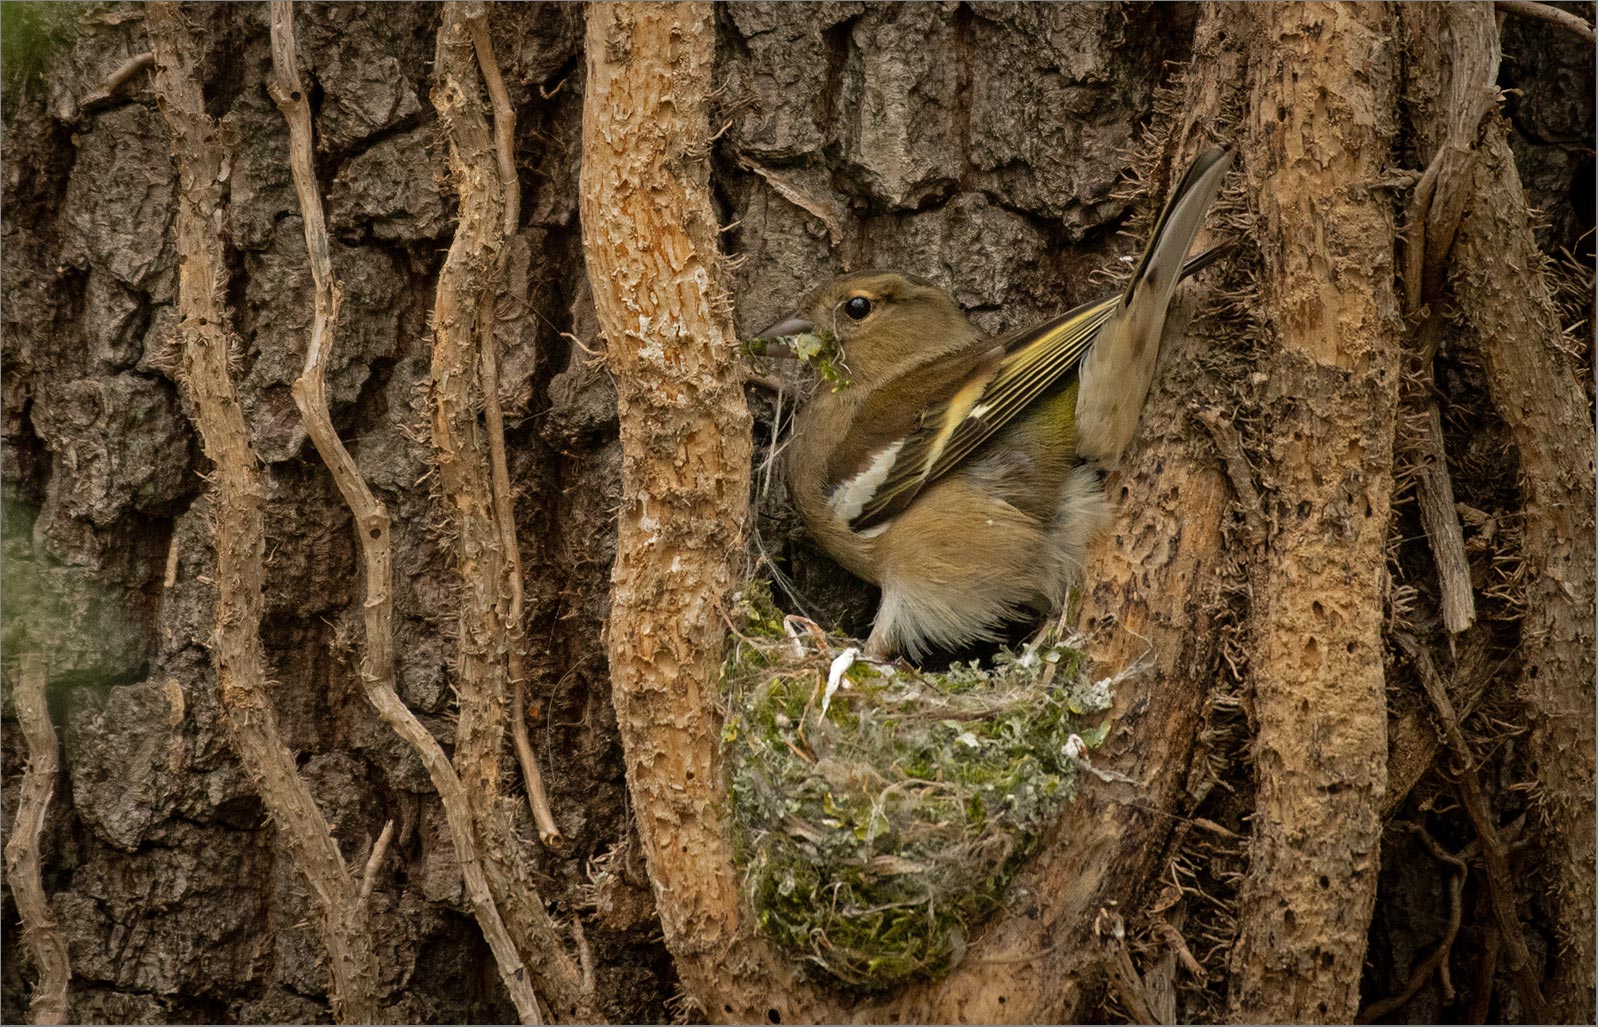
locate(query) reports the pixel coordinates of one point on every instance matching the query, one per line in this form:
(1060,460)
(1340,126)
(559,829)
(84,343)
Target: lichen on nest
(879,811)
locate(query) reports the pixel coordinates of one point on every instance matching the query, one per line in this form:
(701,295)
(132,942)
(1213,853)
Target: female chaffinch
(962,473)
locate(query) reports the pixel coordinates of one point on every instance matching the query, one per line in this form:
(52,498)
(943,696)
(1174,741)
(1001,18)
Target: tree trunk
(1296,615)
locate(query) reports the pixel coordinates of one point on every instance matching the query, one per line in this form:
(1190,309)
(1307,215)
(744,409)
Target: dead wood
(372,528)
(40,931)
(465,473)
(494,421)
(1323,89)
(206,342)
(1507,316)
(1495,854)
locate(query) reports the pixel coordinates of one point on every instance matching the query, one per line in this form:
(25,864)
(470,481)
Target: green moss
(819,348)
(31,36)
(876,827)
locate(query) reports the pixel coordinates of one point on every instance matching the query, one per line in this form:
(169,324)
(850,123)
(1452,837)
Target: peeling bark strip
(461,452)
(205,338)
(1319,131)
(372,526)
(40,931)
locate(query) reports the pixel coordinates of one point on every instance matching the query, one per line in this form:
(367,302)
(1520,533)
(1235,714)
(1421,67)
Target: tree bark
(1320,130)
(983,146)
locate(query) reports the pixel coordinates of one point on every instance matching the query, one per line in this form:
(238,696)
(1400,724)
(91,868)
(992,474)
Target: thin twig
(504,502)
(1549,13)
(462,466)
(372,521)
(40,931)
(1436,961)
(379,850)
(1494,853)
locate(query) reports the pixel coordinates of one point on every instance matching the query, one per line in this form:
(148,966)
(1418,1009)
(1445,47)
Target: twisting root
(1494,853)
(207,341)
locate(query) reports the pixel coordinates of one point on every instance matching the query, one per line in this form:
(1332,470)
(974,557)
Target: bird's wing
(947,431)
(1035,360)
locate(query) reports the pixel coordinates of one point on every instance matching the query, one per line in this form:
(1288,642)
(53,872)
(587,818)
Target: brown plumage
(960,472)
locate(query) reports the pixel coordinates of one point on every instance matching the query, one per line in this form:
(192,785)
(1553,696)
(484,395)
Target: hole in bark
(772,1016)
(376,533)
(1317,608)
(728,1008)
(1001,1000)
(690,775)
(1325,882)
(295,96)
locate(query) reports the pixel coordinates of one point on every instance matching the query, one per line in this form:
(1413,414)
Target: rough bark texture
(987,146)
(1321,125)
(649,232)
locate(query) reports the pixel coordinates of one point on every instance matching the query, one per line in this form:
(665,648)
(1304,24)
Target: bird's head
(874,325)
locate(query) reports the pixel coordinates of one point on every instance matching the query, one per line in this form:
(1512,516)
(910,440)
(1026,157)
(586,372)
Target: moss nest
(879,811)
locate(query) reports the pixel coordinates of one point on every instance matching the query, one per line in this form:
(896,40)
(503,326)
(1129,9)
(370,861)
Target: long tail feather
(1117,371)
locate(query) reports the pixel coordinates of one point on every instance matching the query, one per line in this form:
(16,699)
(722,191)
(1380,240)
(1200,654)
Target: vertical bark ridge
(1319,131)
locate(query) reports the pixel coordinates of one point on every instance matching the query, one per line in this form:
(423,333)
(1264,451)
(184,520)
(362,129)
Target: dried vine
(206,341)
(465,471)
(40,931)
(372,524)
(494,420)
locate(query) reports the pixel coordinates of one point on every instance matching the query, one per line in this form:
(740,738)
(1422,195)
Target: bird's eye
(857,307)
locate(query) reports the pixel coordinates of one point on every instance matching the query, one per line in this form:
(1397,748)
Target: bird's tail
(1117,370)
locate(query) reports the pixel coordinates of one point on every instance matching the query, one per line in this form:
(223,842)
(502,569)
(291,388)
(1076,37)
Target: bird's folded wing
(1035,360)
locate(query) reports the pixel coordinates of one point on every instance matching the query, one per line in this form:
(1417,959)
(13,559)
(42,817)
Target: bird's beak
(773,342)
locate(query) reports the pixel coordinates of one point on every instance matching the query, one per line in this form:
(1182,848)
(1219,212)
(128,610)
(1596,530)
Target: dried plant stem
(504,502)
(466,477)
(374,861)
(40,931)
(1494,853)
(236,649)
(372,528)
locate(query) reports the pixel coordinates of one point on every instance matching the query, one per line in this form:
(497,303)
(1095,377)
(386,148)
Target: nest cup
(879,811)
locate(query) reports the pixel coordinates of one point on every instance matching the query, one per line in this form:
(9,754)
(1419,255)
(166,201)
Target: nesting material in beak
(777,341)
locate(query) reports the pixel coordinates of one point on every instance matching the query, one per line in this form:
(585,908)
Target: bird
(961,473)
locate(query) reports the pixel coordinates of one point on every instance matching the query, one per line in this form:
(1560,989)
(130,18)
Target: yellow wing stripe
(1036,359)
